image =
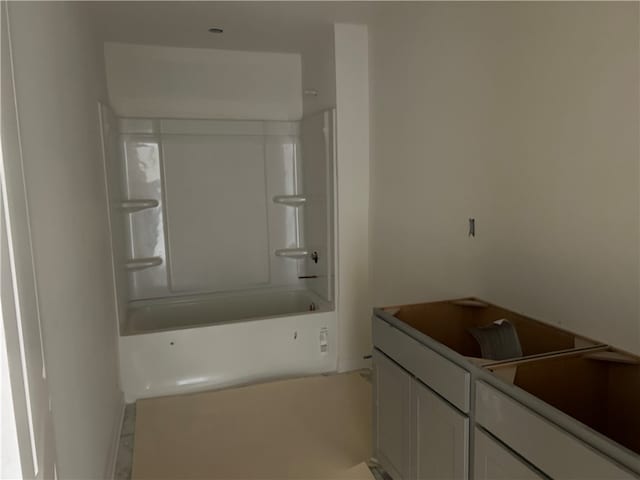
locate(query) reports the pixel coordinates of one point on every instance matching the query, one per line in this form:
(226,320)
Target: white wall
(319,74)
(562,239)
(524,116)
(59,79)
(151,81)
(352,144)
(428,123)
(19,297)
(14,421)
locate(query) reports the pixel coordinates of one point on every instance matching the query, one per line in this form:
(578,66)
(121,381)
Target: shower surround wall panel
(146,231)
(215,203)
(318,177)
(113,165)
(215,228)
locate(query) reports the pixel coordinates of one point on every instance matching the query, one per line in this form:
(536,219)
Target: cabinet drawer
(443,376)
(550,448)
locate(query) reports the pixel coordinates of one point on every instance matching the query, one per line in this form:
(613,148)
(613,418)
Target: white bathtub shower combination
(223,248)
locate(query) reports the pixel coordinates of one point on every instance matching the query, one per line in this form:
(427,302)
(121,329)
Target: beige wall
(524,116)
(59,79)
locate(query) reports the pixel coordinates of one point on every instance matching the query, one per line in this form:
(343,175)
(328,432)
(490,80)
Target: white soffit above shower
(153,81)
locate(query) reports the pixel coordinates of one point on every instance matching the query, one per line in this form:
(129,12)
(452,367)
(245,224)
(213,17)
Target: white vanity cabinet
(420,404)
(493,461)
(595,388)
(441,438)
(392,397)
(566,409)
(418,434)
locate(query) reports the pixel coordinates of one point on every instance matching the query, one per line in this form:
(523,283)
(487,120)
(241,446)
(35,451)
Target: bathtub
(199,343)
(195,311)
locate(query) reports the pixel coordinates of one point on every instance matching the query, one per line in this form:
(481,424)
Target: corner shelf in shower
(290,200)
(141,263)
(292,252)
(135,205)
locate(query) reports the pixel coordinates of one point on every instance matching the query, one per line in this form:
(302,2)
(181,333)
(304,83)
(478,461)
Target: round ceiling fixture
(216,30)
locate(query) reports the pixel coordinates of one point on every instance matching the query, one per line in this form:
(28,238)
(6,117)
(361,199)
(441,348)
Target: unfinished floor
(314,427)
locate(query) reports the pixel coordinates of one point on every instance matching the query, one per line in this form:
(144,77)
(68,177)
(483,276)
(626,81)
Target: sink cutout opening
(598,389)
(448,322)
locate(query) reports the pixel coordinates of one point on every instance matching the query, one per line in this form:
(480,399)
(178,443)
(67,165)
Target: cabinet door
(392,411)
(442,438)
(492,461)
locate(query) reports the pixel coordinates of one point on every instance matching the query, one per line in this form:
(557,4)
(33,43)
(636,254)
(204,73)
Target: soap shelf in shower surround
(292,252)
(290,200)
(135,205)
(142,263)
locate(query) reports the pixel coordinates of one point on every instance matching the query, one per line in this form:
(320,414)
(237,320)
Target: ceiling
(257,26)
